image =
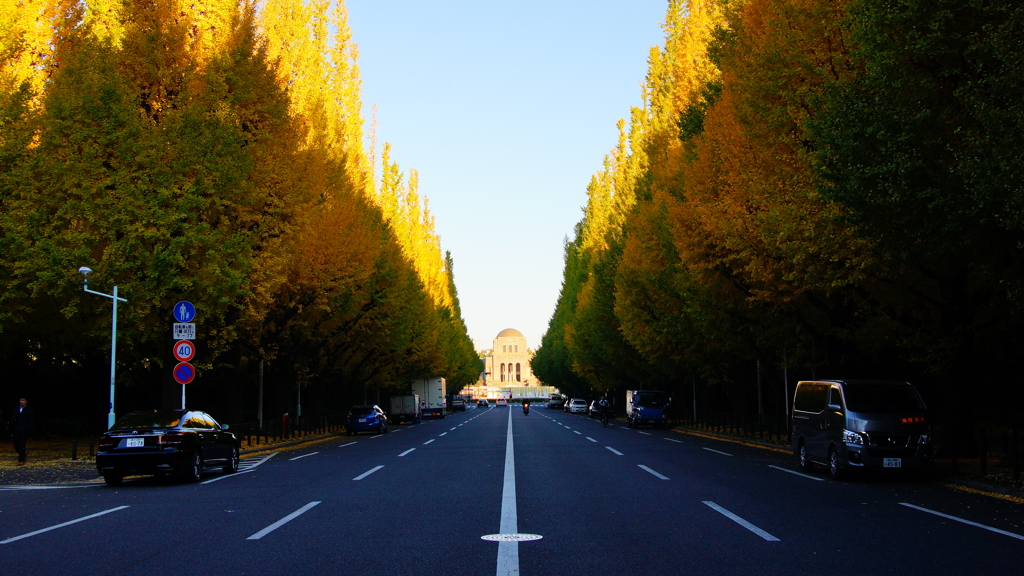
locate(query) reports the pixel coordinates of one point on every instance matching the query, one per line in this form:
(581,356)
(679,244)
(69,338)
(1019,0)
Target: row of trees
(826,188)
(213,152)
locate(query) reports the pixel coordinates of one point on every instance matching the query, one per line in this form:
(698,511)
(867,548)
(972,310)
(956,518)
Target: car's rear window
(361,410)
(166,419)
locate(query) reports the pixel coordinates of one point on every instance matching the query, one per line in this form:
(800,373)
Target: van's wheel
(805,461)
(833,464)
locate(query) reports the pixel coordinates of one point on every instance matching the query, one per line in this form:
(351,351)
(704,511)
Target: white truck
(405,408)
(432,396)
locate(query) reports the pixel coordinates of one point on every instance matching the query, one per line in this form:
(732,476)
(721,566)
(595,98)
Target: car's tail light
(108,441)
(171,439)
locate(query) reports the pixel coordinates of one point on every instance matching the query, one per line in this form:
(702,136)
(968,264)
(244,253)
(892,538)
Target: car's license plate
(135,442)
(362,419)
(892,463)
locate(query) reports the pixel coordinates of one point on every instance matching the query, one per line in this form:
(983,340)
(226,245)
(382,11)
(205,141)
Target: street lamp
(84,271)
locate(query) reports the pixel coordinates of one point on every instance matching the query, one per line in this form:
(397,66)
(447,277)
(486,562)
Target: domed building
(509,361)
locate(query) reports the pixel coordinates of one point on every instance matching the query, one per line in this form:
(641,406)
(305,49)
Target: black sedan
(181,442)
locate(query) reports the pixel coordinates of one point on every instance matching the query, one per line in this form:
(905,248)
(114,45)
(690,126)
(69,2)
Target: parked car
(501,402)
(851,425)
(594,410)
(366,418)
(483,403)
(578,406)
(566,405)
(556,401)
(181,442)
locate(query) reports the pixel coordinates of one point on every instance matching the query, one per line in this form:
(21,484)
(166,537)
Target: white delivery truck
(432,396)
(405,408)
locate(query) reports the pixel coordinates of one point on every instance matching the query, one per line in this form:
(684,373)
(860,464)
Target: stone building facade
(509,362)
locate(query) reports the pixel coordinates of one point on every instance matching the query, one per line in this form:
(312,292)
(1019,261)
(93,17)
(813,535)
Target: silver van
(857,424)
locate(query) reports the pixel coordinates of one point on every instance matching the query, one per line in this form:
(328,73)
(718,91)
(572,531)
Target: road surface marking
(663,477)
(368,472)
(303,456)
(69,523)
(975,524)
(406,452)
(343,445)
(454,427)
(797,473)
(377,436)
(645,433)
(442,434)
(591,439)
(741,521)
(249,464)
(508,551)
(429,441)
(624,428)
(17,488)
(718,452)
(282,521)
(226,476)
(577,432)
(569,428)
(676,441)
(614,451)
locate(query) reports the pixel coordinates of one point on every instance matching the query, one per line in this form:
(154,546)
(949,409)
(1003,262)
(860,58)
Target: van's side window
(835,397)
(811,398)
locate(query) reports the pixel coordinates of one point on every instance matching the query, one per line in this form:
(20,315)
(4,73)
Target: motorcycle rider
(526,407)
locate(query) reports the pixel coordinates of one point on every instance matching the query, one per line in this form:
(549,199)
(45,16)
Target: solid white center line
(240,472)
(614,451)
(282,521)
(442,434)
(676,441)
(368,472)
(663,477)
(68,523)
(797,473)
(718,452)
(741,521)
(645,433)
(508,552)
(406,452)
(577,432)
(591,439)
(349,444)
(429,441)
(954,518)
(303,456)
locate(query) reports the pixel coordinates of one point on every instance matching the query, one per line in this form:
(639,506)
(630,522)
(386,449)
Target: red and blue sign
(184,350)
(184,373)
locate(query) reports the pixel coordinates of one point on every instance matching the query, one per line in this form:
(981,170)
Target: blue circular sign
(184,373)
(184,312)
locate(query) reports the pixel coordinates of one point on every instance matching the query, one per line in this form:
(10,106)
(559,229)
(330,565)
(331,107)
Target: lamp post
(84,271)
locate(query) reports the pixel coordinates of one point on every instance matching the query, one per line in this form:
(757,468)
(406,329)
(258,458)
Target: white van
(856,424)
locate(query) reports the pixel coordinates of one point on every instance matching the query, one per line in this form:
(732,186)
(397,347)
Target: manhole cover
(511,537)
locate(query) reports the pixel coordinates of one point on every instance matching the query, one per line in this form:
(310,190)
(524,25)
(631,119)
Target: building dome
(510,333)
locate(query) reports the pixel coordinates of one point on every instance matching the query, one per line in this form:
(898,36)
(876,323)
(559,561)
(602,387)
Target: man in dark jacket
(20,428)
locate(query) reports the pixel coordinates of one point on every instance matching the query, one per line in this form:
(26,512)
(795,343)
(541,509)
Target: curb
(290,443)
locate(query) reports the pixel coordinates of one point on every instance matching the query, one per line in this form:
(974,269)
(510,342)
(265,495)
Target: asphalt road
(419,499)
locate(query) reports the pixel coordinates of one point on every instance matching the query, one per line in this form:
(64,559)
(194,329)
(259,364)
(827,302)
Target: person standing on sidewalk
(20,427)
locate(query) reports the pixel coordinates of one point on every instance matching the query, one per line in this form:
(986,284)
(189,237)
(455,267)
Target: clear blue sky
(506,108)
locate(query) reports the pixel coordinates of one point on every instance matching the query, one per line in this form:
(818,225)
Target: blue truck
(646,407)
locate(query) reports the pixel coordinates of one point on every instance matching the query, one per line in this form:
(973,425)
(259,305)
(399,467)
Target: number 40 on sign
(184,350)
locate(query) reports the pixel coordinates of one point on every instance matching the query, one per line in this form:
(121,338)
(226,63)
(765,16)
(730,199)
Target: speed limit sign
(184,350)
